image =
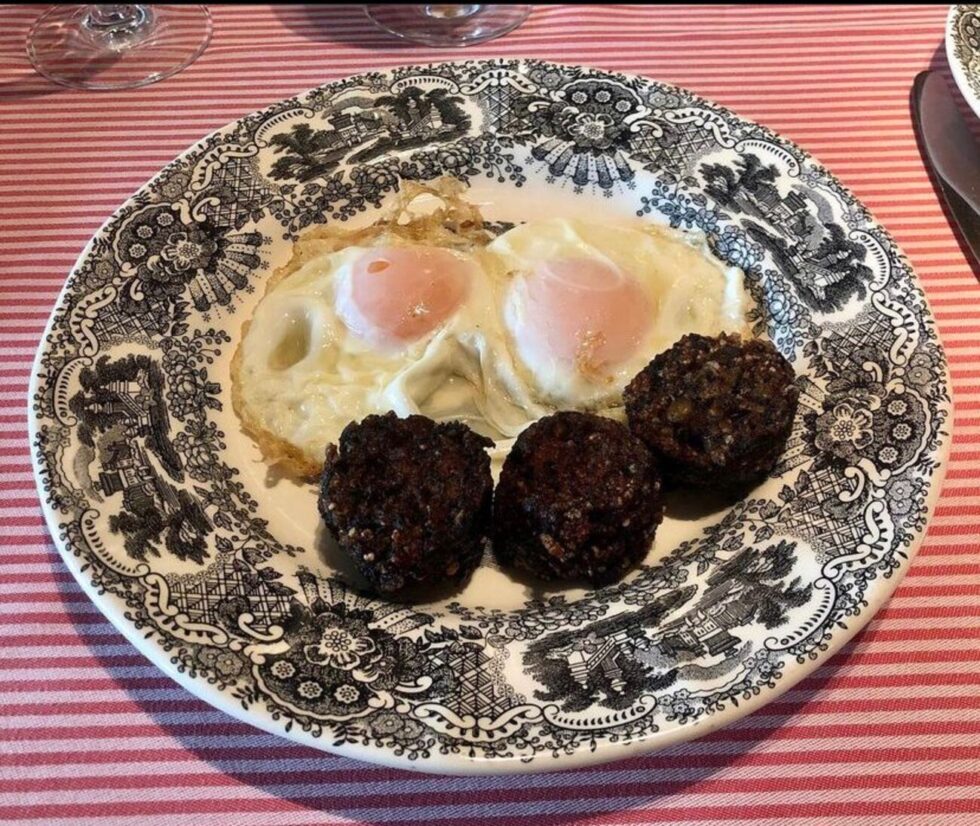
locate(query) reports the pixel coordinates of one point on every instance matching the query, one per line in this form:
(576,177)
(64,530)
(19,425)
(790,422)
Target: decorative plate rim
(969,85)
(457,764)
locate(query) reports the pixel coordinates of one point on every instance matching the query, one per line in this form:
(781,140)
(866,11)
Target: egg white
(303,375)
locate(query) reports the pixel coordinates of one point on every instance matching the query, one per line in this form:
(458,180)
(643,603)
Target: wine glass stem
(117,22)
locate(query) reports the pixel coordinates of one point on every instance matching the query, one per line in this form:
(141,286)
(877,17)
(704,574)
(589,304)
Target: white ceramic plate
(963,51)
(164,512)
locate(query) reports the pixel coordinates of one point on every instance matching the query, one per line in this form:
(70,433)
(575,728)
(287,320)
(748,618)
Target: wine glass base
(158,42)
(447,25)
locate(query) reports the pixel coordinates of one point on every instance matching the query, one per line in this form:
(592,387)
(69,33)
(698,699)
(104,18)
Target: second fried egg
(589,304)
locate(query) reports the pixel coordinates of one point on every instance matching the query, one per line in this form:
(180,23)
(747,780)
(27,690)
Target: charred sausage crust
(408,499)
(578,498)
(715,411)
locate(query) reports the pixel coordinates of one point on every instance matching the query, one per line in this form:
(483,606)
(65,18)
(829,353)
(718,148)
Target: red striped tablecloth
(90,733)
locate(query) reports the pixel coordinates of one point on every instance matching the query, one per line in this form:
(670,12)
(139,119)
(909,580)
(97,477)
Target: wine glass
(117,46)
(449,25)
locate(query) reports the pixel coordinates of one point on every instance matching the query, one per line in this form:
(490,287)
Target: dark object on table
(949,147)
(409,500)
(578,498)
(715,411)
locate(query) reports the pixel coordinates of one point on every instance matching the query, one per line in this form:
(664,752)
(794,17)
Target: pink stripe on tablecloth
(885,733)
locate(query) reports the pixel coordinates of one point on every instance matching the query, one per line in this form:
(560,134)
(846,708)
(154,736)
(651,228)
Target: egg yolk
(585,312)
(402,293)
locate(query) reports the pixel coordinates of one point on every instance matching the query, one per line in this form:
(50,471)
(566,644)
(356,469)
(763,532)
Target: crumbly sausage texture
(409,500)
(578,498)
(715,411)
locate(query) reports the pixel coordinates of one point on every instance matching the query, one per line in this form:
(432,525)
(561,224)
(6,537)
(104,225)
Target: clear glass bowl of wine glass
(117,46)
(447,25)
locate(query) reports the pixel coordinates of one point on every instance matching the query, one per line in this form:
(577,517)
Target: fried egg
(406,327)
(589,304)
(434,316)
